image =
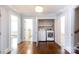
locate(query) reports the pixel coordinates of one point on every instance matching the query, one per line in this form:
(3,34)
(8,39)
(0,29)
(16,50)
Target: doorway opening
(28,27)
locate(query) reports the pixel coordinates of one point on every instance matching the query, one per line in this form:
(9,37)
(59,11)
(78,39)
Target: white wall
(58,31)
(70,17)
(69,14)
(5,40)
(4,29)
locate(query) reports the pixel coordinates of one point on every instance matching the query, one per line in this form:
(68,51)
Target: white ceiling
(30,9)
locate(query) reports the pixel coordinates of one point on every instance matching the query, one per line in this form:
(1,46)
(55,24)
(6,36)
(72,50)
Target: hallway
(23,25)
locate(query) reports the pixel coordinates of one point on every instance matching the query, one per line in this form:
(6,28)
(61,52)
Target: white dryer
(50,35)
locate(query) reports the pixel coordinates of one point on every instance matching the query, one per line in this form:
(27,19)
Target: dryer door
(50,36)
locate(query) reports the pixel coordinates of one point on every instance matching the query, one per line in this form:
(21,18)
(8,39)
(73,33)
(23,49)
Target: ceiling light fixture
(38,9)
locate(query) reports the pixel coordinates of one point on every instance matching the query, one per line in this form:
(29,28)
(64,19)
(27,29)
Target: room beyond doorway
(28,33)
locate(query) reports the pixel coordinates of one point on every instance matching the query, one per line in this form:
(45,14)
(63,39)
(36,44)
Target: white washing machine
(42,35)
(50,35)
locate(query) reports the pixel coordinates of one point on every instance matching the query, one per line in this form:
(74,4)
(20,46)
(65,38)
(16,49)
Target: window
(14,23)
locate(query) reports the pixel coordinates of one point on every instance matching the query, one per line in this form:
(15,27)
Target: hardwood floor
(23,47)
(42,48)
(46,48)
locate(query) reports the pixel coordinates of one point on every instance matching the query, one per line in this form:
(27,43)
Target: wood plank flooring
(42,48)
(46,48)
